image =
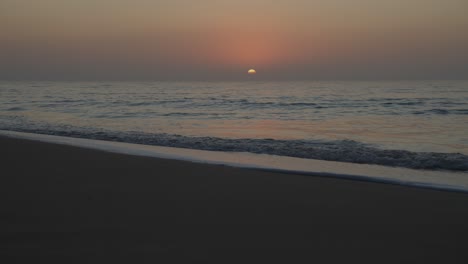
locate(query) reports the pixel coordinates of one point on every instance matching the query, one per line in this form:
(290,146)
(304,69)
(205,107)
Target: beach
(64,204)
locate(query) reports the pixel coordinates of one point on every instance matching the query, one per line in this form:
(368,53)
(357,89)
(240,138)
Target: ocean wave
(403,103)
(149,103)
(184,114)
(15,108)
(438,111)
(70,101)
(338,150)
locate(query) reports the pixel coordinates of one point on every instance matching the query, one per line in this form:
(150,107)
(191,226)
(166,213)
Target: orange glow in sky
(177,39)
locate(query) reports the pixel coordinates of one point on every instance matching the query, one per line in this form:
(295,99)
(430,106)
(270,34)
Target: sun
(252,71)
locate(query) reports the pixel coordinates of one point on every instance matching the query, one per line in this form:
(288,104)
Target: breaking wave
(337,150)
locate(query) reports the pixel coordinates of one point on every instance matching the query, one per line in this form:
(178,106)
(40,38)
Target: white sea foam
(442,180)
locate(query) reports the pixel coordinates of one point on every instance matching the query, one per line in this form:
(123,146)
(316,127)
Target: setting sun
(252,71)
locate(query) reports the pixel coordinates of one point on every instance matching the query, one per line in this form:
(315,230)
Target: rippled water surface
(422,116)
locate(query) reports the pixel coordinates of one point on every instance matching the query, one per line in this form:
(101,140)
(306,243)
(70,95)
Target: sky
(221,40)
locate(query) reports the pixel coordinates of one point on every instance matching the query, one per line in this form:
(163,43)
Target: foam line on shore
(439,180)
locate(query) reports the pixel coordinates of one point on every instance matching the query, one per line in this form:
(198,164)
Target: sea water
(413,124)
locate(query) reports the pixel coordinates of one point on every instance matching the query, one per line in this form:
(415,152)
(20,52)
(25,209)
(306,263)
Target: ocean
(410,124)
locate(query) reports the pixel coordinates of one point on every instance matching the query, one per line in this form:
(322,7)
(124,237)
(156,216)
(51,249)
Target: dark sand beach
(62,204)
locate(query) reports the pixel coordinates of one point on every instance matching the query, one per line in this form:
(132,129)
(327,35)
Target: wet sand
(62,204)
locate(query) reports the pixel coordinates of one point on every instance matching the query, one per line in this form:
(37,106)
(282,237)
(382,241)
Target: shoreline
(64,204)
(427,179)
